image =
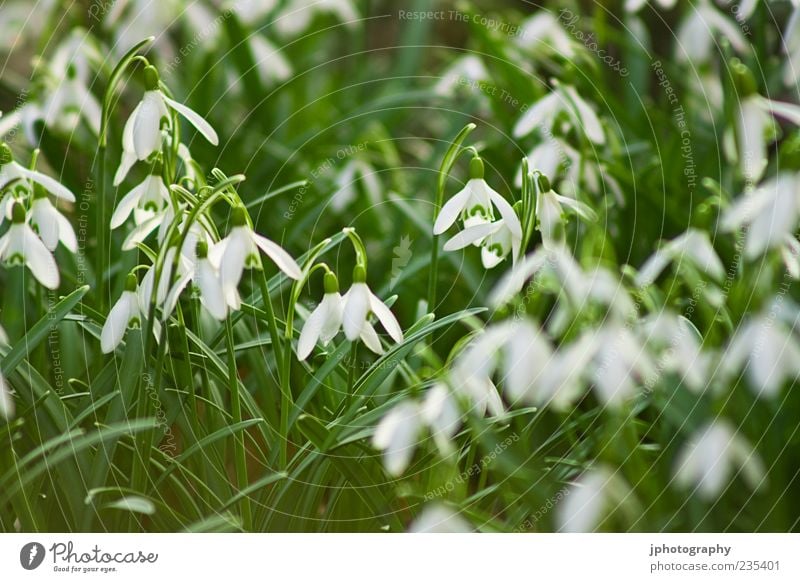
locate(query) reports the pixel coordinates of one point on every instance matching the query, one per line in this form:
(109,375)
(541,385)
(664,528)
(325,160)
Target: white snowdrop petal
(233,258)
(280,257)
(652,268)
(44,217)
(211,294)
(386,317)
(370,338)
(452,209)
(53,186)
(126,205)
(538,115)
(472,234)
(332,306)
(356,309)
(39,260)
(147,125)
(195,119)
(116,323)
(6,400)
(310,333)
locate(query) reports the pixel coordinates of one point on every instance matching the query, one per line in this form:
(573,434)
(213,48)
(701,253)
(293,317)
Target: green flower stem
(283,368)
(240,454)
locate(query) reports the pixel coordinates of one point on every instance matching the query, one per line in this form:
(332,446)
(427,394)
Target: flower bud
(476,168)
(331,283)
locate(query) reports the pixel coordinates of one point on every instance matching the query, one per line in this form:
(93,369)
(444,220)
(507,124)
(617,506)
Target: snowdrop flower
(11,171)
(20,246)
(145,200)
(694,246)
(545,30)
(205,275)
(564,98)
(771,213)
(6,401)
(296,15)
(697,35)
(239,250)
(397,433)
(325,321)
(467,71)
(440,518)
(52,226)
(64,98)
(754,118)
(791,48)
(125,313)
(475,205)
(589,500)
(550,208)
(615,363)
(497,239)
(358,303)
(141,136)
(713,453)
(770,350)
(346,184)
(634,6)
(516,351)
(677,346)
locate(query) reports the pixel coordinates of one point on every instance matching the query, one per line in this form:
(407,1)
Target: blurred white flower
(699,33)
(324,322)
(715,452)
(358,303)
(615,363)
(20,246)
(347,180)
(544,31)
(693,246)
(754,120)
(592,496)
(636,5)
(398,432)
(771,213)
(239,250)
(6,400)
(563,98)
(125,313)
(297,15)
(141,136)
(769,348)
(440,518)
(675,344)
(466,71)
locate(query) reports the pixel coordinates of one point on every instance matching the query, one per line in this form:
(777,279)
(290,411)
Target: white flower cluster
(189,248)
